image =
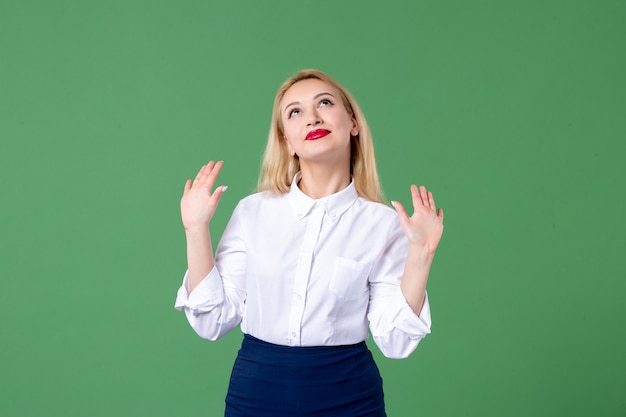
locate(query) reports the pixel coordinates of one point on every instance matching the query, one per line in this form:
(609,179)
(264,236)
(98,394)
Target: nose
(314,118)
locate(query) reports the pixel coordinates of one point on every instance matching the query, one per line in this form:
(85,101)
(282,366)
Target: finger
(217,195)
(440,214)
(431,201)
(211,175)
(203,174)
(424,195)
(415,196)
(206,171)
(215,170)
(187,186)
(199,174)
(402,214)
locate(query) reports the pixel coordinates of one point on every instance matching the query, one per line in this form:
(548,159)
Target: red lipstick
(317,134)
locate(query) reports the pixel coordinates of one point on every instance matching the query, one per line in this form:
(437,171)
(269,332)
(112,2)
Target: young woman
(309,262)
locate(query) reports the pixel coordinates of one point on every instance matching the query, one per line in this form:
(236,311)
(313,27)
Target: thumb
(402,214)
(217,194)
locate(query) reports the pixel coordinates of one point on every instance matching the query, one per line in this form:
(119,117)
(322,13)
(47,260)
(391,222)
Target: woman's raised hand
(198,204)
(425,227)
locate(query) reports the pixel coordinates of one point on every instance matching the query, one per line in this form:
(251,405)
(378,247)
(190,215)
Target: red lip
(317,134)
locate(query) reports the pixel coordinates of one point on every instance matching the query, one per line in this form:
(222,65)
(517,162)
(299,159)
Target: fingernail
(393,203)
(224,188)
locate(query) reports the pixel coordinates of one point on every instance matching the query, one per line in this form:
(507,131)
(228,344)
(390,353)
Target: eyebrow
(314,98)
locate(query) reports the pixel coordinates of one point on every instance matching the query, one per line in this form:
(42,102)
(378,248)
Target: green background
(512,112)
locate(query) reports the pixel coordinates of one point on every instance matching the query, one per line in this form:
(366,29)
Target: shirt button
(293,334)
(333,215)
(299,297)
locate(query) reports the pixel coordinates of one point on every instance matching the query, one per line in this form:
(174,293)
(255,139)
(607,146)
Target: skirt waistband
(251,341)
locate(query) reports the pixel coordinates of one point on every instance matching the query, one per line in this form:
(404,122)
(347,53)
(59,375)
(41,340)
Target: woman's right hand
(198,204)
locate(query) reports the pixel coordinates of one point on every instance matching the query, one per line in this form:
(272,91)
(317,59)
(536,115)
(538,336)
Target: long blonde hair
(279,166)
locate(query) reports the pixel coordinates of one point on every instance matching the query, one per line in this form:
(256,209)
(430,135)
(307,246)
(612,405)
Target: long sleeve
(395,328)
(216,305)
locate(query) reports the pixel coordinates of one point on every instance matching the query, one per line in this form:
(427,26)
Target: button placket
(303,272)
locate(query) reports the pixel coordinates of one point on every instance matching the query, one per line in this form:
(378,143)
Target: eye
(325,102)
(293,112)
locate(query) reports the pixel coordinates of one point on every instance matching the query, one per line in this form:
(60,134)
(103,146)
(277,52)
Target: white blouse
(296,271)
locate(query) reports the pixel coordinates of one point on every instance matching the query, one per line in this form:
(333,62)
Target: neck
(320,181)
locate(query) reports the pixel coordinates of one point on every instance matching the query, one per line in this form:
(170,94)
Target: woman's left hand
(425,227)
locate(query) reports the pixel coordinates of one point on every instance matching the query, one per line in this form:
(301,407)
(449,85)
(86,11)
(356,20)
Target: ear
(355,127)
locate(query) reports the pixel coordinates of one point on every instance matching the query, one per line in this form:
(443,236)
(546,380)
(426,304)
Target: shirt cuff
(410,323)
(205,296)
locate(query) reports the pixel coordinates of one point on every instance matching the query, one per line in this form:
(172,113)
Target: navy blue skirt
(272,380)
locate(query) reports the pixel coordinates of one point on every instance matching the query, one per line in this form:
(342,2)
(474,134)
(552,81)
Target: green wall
(512,112)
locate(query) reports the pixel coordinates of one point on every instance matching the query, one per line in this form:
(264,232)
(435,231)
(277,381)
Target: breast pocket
(349,279)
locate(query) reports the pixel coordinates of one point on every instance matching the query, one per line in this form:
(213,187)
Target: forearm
(200,260)
(415,276)
(197,207)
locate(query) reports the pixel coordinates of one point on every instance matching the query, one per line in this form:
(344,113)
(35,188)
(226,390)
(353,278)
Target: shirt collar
(334,205)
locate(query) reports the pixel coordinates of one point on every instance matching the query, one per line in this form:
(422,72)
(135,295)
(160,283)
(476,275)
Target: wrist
(421,253)
(195,229)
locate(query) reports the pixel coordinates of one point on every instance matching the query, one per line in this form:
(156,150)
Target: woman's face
(316,125)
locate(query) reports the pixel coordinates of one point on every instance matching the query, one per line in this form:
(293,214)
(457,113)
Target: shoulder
(376,208)
(379,213)
(259,200)
(376,223)
(263,197)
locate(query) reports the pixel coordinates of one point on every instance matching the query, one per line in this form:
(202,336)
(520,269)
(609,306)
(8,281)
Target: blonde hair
(279,166)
